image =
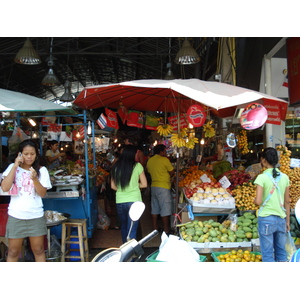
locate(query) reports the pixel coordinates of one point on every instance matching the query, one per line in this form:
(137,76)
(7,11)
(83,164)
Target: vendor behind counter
(53,156)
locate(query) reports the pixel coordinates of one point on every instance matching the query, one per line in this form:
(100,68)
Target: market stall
(74,188)
(222,195)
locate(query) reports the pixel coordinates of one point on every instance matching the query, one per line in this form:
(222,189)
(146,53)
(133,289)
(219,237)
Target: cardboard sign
(224,181)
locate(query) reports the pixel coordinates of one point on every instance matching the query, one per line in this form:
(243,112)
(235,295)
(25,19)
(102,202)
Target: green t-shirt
(132,192)
(272,207)
(159,167)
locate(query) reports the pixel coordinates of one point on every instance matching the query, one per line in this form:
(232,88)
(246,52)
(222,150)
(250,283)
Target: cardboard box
(185,218)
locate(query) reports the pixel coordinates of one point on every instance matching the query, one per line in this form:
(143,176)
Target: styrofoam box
(220,245)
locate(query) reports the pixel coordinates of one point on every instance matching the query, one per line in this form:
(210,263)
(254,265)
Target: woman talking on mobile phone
(25,210)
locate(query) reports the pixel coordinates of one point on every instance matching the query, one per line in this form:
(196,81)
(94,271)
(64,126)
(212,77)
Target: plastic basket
(152,257)
(215,255)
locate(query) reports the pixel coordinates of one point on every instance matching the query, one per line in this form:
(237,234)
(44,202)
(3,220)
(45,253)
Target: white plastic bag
(173,249)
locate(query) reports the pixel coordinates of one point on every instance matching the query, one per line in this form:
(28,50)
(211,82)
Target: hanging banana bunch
(179,140)
(243,142)
(165,129)
(191,142)
(209,130)
(183,139)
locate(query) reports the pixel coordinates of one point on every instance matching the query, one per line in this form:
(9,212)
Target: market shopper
(161,171)
(53,155)
(25,210)
(272,195)
(139,156)
(127,178)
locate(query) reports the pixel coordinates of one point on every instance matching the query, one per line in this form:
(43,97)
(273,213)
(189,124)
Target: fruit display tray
(219,246)
(152,257)
(216,254)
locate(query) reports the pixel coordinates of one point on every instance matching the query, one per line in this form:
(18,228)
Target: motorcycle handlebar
(148,237)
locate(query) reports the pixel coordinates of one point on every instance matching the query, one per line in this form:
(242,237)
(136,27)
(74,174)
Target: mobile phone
(20,154)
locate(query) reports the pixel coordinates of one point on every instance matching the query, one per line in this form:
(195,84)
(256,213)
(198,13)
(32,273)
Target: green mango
(232,238)
(199,232)
(215,224)
(213,233)
(201,239)
(247,229)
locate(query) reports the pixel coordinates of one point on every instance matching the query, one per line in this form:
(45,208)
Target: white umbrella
(163,95)
(19,102)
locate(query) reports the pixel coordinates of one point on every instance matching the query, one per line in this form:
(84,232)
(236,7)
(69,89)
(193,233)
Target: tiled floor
(112,238)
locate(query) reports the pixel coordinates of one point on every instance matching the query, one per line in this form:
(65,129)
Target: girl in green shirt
(127,178)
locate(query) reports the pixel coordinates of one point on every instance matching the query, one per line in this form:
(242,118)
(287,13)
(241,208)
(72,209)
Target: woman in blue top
(273,197)
(127,178)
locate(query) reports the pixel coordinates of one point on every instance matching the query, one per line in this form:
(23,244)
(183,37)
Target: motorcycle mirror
(136,210)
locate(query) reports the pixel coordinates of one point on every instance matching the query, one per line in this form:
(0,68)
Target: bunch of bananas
(165,129)
(243,142)
(209,130)
(191,142)
(177,140)
(284,159)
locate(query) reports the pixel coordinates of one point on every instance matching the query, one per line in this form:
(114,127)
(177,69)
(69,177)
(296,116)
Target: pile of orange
(190,174)
(240,256)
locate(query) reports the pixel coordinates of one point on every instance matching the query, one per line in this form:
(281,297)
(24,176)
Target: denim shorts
(161,201)
(272,237)
(17,228)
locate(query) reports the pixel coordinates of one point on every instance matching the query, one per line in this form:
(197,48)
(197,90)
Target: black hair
(31,143)
(122,169)
(53,142)
(159,148)
(271,156)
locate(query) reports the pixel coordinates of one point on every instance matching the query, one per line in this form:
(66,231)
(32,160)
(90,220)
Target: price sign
(225,182)
(295,163)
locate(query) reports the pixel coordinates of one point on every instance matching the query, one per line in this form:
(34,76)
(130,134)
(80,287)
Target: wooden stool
(66,236)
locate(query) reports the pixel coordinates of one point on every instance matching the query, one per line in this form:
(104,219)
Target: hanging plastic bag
(103,219)
(17,137)
(290,247)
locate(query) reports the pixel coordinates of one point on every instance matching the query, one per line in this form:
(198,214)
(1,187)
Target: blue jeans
(123,213)
(272,237)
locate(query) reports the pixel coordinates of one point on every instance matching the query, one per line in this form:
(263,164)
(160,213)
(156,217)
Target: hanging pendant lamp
(67,96)
(187,55)
(27,55)
(50,78)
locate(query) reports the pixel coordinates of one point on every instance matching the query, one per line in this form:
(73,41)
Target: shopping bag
(290,247)
(173,249)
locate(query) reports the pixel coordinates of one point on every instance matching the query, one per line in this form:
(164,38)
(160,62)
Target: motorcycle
(132,250)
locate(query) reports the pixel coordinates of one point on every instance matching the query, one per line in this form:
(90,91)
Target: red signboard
(293,59)
(173,121)
(196,115)
(276,112)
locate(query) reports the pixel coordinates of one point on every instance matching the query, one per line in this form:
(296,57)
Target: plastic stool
(68,237)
